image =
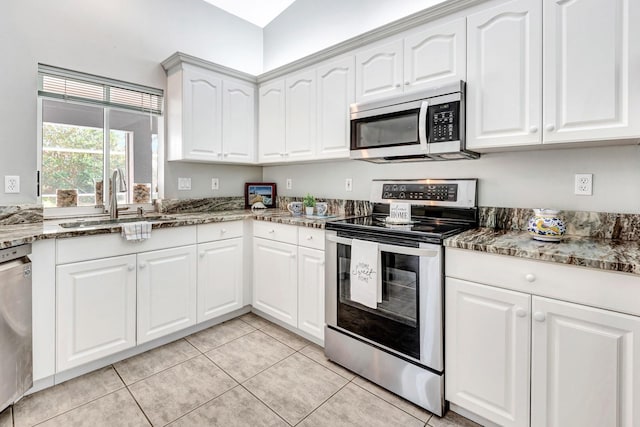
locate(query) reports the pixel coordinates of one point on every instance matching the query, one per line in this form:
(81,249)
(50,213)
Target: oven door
(396,130)
(408,321)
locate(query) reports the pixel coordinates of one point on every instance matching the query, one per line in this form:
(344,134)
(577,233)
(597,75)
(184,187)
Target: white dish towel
(136,231)
(366,286)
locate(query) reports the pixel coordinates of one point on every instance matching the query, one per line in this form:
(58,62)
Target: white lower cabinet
(311,291)
(487,351)
(581,363)
(220,278)
(585,368)
(275,281)
(96,309)
(166,292)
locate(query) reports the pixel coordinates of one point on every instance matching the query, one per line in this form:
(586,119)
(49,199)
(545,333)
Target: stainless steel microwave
(424,125)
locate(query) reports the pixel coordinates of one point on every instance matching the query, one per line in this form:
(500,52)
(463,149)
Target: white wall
(308,26)
(524,179)
(120,39)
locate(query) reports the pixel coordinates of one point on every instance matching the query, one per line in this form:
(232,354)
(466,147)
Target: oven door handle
(403,250)
(422,125)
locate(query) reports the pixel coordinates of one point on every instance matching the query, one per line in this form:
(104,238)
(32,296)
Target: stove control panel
(425,192)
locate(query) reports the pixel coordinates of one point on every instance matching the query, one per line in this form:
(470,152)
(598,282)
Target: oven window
(395,322)
(385,131)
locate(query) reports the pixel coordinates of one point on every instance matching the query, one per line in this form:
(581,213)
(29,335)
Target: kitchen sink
(95,223)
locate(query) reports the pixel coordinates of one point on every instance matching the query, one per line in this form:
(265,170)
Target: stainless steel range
(384,285)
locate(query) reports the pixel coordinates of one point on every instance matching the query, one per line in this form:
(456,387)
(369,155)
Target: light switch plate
(215,184)
(348,184)
(184,183)
(289,183)
(11,184)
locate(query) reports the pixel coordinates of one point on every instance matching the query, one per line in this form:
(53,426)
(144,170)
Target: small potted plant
(309,203)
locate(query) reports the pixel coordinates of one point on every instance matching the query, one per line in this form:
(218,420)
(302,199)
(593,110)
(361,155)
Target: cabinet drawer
(219,231)
(311,238)
(597,288)
(280,232)
(107,245)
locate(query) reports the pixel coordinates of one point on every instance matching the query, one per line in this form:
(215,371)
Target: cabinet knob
(272,231)
(131,267)
(202,254)
(551,128)
(407,83)
(292,255)
(539,316)
(309,237)
(533,129)
(322,263)
(530,278)
(223,231)
(142,265)
(521,312)
(226,154)
(398,85)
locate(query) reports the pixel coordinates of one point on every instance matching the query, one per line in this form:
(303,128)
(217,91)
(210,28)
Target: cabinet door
(219,278)
(487,338)
(591,63)
(300,118)
(166,292)
(311,291)
(202,115)
(585,369)
(275,288)
(379,71)
(238,122)
(271,141)
(504,75)
(95,310)
(435,56)
(336,91)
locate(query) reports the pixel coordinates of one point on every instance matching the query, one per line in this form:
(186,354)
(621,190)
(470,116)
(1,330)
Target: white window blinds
(70,85)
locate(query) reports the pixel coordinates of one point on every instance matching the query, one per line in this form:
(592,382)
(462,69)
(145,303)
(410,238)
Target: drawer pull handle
(530,278)
(539,316)
(131,267)
(521,312)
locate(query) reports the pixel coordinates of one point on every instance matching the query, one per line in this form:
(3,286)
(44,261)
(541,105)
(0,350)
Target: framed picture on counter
(264,192)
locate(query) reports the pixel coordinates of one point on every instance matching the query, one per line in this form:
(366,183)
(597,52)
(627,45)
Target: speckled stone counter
(14,235)
(604,254)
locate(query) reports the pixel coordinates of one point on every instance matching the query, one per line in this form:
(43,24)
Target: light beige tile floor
(244,372)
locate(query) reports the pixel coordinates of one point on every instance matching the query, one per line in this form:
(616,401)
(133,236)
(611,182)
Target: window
(89,127)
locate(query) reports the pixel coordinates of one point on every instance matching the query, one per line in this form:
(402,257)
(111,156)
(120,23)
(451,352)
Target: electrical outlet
(215,184)
(348,184)
(583,184)
(11,184)
(289,184)
(184,183)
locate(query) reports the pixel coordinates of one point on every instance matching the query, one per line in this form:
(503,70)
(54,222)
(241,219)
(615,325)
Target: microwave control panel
(444,122)
(439,192)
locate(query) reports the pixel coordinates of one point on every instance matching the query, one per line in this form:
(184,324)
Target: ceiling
(258,12)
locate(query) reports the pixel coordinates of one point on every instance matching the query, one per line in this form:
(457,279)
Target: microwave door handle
(422,125)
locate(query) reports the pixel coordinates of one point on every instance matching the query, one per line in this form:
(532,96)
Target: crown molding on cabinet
(422,17)
(173,63)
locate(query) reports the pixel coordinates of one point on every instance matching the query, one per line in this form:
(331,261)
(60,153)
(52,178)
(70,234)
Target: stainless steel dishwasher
(16,357)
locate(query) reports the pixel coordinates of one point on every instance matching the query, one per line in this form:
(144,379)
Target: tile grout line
(265,404)
(324,401)
(134,398)
(390,403)
(160,371)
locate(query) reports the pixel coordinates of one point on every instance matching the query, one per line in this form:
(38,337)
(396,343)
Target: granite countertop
(14,235)
(604,254)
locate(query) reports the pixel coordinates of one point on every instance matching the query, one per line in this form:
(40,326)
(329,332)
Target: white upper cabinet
(591,65)
(300,118)
(585,369)
(238,124)
(210,116)
(379,71)
(202,114)
(336,91)
(435,56)
(504,75)
(271,122)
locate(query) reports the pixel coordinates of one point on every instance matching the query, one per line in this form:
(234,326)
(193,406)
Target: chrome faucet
(113,205)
